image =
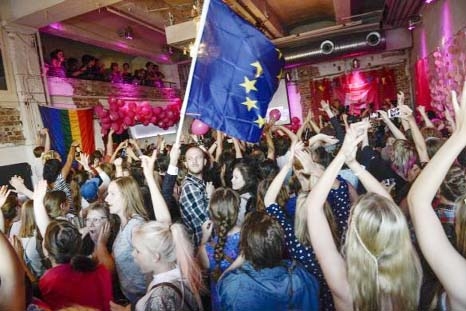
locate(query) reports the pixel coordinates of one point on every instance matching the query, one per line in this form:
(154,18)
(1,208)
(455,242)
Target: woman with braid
(220,252)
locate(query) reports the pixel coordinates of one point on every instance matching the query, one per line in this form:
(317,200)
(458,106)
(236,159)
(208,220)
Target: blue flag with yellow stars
(235,76)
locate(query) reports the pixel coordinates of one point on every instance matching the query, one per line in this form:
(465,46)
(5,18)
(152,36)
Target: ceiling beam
(38,14)
(342,9)
(265,16)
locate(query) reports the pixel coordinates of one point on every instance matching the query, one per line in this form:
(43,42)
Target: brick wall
(11,130)
(307,73)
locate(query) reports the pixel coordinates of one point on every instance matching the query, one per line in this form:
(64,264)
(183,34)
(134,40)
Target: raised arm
(160,206)
(425,118)
(395,131)
(419,142)
(45,132)
(40,213)
(238,152)
(17,182)
(332,263)
(449,266)
(277,183)
(69,159)
(109,146)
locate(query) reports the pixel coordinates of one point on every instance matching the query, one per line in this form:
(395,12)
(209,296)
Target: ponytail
(189,268)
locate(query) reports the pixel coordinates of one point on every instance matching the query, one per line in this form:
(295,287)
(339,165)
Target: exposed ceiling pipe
(135,20)
(317,51)
(298,39)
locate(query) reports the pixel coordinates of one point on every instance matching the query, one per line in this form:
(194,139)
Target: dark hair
(268,169)
(54,53)
(249,176)
(52,169)
(38,151)
(261,240)
(63,243)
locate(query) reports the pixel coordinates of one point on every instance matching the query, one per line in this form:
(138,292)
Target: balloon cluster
(295,124)
(122,114)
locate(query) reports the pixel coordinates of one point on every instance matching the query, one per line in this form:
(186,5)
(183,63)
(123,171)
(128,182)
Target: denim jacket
(285,287)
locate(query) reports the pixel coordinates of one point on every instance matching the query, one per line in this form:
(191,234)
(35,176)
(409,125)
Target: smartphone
(77,154)
(123,153)
(374,115)
(394,113)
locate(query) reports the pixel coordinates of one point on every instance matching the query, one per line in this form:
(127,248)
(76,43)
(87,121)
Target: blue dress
(231,251)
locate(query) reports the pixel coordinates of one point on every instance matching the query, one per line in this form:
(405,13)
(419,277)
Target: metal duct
(325,49)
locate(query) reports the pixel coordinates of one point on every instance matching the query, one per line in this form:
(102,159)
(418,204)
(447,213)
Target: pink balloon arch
(122,114)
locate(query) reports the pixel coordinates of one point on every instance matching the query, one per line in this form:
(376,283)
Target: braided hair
(224,207)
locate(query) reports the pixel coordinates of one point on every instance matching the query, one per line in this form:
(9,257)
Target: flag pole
(196,45)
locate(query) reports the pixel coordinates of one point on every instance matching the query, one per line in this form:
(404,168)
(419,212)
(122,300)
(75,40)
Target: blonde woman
(379,269)
(448,263)
(163,249)
(27,235)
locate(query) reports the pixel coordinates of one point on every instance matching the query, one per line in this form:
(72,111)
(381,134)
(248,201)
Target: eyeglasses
(94,220)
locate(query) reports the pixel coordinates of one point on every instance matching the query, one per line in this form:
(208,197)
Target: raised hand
(175,154)
(460,110)
(147,163)
(4,193)
(400,98)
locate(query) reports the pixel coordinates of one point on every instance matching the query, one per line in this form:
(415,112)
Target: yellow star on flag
(249,85)
(259,69)
(280,74)
(280,55)
(260,121)
(250,103)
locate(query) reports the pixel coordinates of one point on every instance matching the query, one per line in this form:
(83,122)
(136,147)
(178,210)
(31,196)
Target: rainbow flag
(66,126)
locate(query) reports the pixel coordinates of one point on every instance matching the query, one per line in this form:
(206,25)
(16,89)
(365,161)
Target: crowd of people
(366,214)
(91,68)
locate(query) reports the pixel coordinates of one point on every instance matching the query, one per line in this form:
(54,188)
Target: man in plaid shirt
(194,199)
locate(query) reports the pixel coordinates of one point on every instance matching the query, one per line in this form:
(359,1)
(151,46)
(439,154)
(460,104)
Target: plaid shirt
(194,206)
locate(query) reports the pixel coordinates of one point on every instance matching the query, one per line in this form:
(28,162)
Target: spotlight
(429,1)
(356,63)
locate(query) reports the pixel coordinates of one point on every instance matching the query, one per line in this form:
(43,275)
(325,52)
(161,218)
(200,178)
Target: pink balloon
(275,114)
(120,102)
(103,131)
(112,100)
(295,120)
(199,128)
(114,116)
(98,109)
(156,110)
(127,120)
(132,106)
(115,127)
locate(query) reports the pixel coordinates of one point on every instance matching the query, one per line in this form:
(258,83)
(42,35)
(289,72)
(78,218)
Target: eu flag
(235,76)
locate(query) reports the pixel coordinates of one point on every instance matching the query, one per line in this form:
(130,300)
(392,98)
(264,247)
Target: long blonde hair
(172,244)
(28,222)
(384,271)
(132,197)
